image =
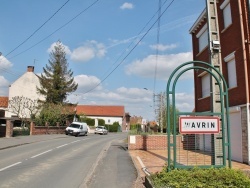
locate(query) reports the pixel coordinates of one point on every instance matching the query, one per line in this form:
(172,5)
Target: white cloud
(185,101)
(127,6)
(164,65)
(52,47)
(90,50)
(4,64)
(4,85)
(162,47)
(82,54)
(86,82)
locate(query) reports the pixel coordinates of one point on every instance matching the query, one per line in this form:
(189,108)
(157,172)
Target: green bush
(101,122)
(89,121)
(113,128)
(21,131)
(196,177)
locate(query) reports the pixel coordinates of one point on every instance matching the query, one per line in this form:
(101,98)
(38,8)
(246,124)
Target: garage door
(236,136)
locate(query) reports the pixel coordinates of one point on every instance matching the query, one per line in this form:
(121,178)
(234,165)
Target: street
(68,161)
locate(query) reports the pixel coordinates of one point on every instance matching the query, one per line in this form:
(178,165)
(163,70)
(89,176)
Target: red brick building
(234,33)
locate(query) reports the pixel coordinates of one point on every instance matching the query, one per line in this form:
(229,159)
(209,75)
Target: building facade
(25,86)
(110,114)
(234,34)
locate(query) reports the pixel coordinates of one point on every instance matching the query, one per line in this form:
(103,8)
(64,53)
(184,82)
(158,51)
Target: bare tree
(25,108)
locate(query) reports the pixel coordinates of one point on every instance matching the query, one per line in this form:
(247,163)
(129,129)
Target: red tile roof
(4,102)
(94,110)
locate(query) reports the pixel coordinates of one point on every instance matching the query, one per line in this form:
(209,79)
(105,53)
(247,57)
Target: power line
(134,38)
(130,51)
(56,30)
(37,29)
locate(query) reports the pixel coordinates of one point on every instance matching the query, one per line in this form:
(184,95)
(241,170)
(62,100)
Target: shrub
(21,131)
(89,121)
(113,128)
(196,177)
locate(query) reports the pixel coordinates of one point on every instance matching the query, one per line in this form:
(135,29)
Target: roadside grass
(200,178)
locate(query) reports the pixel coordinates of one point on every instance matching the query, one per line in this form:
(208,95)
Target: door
(236,136)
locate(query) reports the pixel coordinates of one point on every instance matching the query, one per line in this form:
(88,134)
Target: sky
(121,52)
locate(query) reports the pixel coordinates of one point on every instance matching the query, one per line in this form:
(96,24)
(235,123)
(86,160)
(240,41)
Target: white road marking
(62,145)
(2,169)
(75,141)
(41,153)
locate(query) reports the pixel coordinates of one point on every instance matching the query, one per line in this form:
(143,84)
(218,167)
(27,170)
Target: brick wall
(39,130)
(151,142)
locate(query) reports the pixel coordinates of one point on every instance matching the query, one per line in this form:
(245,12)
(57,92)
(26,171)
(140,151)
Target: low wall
(39,130)
(158,142)
(149,142)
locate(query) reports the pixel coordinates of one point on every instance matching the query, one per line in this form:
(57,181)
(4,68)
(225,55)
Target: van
(77,128)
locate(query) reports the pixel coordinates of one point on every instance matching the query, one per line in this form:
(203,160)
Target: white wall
(108,120)
(25,86)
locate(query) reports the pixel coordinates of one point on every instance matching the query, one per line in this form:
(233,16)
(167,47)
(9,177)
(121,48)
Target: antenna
(35,61)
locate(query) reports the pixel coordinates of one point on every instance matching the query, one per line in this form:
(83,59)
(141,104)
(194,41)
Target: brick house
(109,114)
(234,32)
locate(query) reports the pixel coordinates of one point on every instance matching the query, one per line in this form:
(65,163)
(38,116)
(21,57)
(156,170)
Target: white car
(101,130)
(77,128)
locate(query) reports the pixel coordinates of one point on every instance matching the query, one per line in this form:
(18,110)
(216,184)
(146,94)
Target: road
(68,162)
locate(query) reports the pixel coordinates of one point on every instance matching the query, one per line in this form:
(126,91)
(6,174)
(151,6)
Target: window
(205,84)
(203,38)
(231,70)
(225,6)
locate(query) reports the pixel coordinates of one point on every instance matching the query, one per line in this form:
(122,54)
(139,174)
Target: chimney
(30,69)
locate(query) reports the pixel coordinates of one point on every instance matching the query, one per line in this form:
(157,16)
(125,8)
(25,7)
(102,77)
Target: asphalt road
(71,162)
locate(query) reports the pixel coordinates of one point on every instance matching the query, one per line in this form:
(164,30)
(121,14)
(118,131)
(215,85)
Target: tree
(24,108)
(57,81)
(55,113)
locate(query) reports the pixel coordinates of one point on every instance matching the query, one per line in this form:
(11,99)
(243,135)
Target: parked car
(101,130)
(77,128)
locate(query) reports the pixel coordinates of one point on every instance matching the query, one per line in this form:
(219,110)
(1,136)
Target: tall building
(234,34)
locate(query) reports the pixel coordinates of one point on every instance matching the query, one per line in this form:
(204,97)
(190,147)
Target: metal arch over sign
(218,159)
(199,125)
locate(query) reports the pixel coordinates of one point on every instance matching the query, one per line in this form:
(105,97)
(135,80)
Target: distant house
(25,86)
(3,106)
(109,114)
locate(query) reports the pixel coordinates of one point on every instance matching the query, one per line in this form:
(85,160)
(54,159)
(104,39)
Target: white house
(25,86)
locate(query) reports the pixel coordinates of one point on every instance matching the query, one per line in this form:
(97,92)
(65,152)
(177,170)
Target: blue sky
(111,47)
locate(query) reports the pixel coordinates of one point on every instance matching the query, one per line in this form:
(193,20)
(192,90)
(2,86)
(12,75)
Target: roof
(95,110)
(4,102)
(198,21)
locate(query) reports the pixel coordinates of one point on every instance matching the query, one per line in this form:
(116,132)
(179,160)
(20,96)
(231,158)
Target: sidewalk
(154,161)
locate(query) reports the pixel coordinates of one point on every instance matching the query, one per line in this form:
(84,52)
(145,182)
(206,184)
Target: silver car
(101,130)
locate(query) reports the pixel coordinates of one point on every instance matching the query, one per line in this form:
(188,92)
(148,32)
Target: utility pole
(215,60)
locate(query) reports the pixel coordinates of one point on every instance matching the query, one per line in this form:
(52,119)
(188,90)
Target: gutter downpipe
(245,41)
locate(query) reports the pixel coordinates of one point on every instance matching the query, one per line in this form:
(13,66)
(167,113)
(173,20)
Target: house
(3,106)
(25,86)
(109,114)
(234,34)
